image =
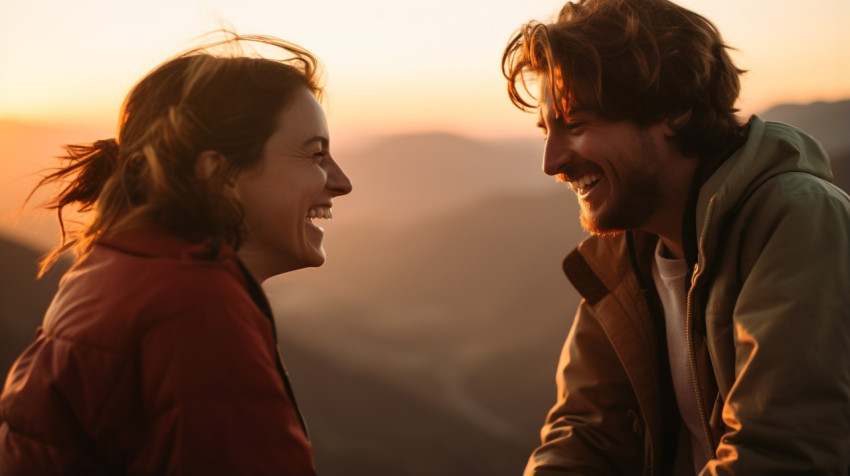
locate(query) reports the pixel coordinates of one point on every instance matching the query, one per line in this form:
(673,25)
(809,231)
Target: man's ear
(208,164)
(675,123)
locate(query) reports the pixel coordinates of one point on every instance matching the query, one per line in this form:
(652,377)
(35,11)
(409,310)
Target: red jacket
(157,355)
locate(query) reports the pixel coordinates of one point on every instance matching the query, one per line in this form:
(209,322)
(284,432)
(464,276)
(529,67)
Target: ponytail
(88,169)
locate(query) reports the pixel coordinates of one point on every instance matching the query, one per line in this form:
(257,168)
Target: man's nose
(556,155)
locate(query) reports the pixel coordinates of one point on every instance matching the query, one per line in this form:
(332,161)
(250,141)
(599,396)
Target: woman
(158,353)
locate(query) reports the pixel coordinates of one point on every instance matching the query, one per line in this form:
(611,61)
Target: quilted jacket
(156,356)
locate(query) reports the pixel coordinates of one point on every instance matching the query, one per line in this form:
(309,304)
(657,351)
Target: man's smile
(583,184)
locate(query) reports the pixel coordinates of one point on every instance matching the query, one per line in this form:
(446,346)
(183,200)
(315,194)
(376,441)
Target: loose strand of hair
(80,182)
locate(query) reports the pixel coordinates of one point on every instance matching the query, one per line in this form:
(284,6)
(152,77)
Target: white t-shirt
(669,276)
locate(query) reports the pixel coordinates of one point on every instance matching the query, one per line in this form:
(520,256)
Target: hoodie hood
(771,148)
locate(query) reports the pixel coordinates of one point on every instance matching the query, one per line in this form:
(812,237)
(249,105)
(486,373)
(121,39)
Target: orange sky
(393,66)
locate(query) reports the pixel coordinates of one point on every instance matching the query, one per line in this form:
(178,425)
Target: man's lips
(581,181)
(583,184)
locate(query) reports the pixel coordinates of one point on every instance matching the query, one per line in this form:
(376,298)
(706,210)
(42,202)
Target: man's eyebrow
(577,107)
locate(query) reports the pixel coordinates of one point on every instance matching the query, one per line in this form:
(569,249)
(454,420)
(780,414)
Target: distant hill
(829,122)
(23,300)
(466,311)
(401,180)
(363,425)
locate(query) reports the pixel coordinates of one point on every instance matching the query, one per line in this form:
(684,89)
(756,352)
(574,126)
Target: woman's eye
(571,126)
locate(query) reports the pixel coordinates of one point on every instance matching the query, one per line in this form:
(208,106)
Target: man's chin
(596,226)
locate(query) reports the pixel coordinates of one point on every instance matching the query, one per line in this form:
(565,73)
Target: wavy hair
(201,100)
(638,60)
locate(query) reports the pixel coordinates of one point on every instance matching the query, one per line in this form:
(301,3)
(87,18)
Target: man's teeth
(320,212)
(585,183)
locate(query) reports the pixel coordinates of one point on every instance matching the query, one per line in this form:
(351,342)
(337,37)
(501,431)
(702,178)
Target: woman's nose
(337,180)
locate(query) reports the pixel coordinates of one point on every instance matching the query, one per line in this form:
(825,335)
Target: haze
(394,67)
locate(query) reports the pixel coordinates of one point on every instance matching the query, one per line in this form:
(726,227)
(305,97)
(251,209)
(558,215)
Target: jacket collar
(625,306)
(153,242)
(705,169)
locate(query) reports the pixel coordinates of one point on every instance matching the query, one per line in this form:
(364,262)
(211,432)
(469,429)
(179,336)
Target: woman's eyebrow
(318,138)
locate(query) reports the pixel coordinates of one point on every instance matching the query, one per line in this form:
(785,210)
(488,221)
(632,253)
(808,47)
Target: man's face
(614,168)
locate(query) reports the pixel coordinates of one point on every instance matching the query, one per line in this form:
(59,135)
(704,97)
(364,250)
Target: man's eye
(574,125)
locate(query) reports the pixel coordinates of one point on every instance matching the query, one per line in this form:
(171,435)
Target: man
(714,332)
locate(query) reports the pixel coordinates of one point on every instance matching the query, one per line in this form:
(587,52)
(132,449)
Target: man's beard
(630,209)
(632,203)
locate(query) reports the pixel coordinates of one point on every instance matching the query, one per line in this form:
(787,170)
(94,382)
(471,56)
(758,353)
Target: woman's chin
(313,254)
(317,257)
(313,257)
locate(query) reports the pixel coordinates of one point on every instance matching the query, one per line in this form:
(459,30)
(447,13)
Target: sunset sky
(393,66)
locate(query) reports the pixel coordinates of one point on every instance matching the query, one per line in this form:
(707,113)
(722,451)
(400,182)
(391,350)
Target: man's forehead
(542,112)
(544,92)
(564,103)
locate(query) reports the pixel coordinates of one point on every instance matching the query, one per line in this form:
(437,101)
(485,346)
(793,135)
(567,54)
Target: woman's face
(288,190)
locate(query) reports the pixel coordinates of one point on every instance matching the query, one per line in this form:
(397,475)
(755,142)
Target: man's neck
(667,222)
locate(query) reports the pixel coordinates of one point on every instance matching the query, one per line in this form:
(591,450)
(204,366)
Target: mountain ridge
(433,330)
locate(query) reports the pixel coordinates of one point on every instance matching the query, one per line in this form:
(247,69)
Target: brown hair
(197,101)
(638,60)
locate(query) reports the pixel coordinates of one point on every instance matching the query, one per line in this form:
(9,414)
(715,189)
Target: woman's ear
(208,164)
(676,123)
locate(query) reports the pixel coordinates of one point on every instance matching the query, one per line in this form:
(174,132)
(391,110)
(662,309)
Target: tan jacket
(769,328)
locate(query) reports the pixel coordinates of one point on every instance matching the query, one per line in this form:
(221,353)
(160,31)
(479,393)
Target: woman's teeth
(320,212)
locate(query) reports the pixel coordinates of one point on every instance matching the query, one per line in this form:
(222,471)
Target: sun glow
(392,66)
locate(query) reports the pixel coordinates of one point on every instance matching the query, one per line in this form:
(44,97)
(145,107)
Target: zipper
(689,325)
(258,296)
(284,374)
(693,364)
